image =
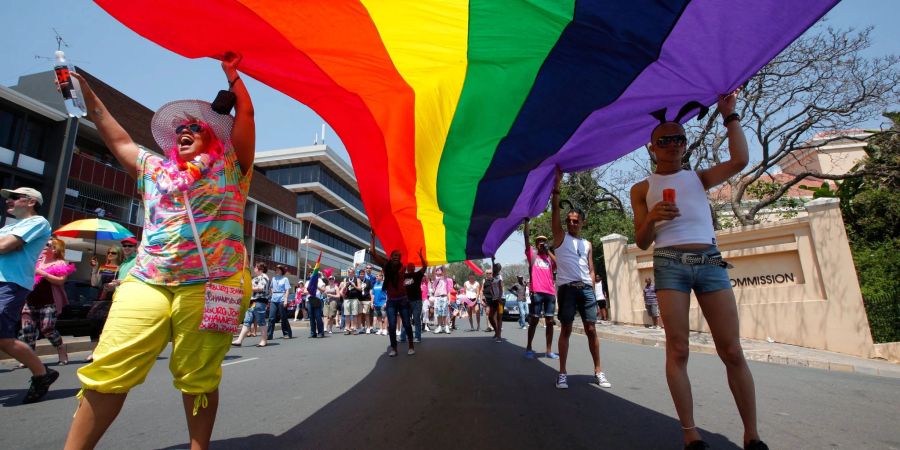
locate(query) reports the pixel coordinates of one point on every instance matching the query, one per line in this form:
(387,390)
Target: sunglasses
(15,197)
(48,245)
(672,139)
(112,253)
(573,221)
(128,245)
(194,127)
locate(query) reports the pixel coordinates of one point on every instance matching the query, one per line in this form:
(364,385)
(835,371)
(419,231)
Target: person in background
(367,280)
(315,290)
(379,300)
(259,300)
(104,278)
(416,285)
(47,299)
(686,259)
(21,244)
(352,290)
(600,293)
(541,267)
(299,301)
(492,291)
(521,299)
(651,303)
(281,288)
(440,287)
(454,304)
(472,301)
(332,297)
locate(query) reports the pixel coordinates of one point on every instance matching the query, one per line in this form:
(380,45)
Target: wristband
(231,82)
(731,118)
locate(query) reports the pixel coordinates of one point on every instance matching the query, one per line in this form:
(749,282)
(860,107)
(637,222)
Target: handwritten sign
(222,308)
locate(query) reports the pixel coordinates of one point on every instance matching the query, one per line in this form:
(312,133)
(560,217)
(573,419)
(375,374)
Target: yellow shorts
(143,319)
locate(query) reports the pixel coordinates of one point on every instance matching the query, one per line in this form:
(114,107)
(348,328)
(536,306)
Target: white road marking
(239,361)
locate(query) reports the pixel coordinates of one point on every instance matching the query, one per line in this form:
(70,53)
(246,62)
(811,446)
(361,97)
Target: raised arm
(376,258)
(113,135)
(525,232)
(424,262)
(556,226)
(243,134)
(739,156)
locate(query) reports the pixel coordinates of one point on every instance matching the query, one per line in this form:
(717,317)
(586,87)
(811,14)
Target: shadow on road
(13,397)
(474,393)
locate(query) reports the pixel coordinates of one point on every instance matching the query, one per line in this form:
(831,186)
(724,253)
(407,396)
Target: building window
(315,173)
(9,122)
(312,203)
(329,239)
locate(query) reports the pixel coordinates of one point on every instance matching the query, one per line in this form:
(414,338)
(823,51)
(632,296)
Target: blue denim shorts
(256,313)
(12,299)
(701,278)
(581,299)
(542,305)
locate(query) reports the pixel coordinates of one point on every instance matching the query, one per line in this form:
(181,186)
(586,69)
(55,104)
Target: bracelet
(231,82)
(689,428)
(731,118)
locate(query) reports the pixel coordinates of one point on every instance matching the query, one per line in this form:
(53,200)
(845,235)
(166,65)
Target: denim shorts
(701,278)
(441,306)
(256,313)
(12,299)
(542,305)
(653,309)
(572,298)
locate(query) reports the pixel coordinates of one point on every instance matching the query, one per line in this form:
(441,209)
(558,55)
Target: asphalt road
(465,391)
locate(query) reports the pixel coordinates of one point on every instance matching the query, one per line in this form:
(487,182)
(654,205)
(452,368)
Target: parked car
(73,320)
(511,306)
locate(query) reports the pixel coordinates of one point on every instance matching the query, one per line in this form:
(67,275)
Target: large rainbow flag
(455,112)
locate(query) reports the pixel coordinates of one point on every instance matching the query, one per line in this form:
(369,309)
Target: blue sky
(152,75)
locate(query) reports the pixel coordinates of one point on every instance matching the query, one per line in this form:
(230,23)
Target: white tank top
(572,261)
(694,225)
(471,289)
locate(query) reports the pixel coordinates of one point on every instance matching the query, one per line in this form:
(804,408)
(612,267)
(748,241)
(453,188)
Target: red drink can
(669,195)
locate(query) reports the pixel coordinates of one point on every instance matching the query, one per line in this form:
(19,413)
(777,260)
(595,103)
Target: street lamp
(308,229)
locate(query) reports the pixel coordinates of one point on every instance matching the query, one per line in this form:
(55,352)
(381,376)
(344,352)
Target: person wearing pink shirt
(541,265)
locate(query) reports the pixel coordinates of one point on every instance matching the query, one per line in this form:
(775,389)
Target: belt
(692,259)
(576,284)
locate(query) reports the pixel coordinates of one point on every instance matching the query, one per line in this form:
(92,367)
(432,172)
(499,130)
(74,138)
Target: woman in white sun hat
(191,257)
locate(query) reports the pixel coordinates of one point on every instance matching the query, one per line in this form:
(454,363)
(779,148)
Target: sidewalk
(754,350)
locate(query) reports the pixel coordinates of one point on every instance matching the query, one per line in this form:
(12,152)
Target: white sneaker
(438,330)
(600,380)
(447,329)
(561,382)
(411,352)
(426,328)
(392,353)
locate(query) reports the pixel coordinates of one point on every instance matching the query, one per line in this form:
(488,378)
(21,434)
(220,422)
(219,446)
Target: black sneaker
(696,445)
(40,385)
(756,445)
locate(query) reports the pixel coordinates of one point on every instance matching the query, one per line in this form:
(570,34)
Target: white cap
(33,193)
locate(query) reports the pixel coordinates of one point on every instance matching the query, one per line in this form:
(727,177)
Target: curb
(766,356)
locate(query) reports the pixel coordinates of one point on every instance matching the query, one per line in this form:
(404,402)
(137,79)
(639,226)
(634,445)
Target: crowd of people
(192,262)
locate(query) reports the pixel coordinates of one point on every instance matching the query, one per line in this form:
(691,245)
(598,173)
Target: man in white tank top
(672,212)
(575,287)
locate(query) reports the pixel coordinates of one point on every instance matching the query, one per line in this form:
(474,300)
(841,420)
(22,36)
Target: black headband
(660,114)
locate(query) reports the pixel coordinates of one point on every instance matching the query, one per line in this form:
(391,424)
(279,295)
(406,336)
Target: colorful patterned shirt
(167,254)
